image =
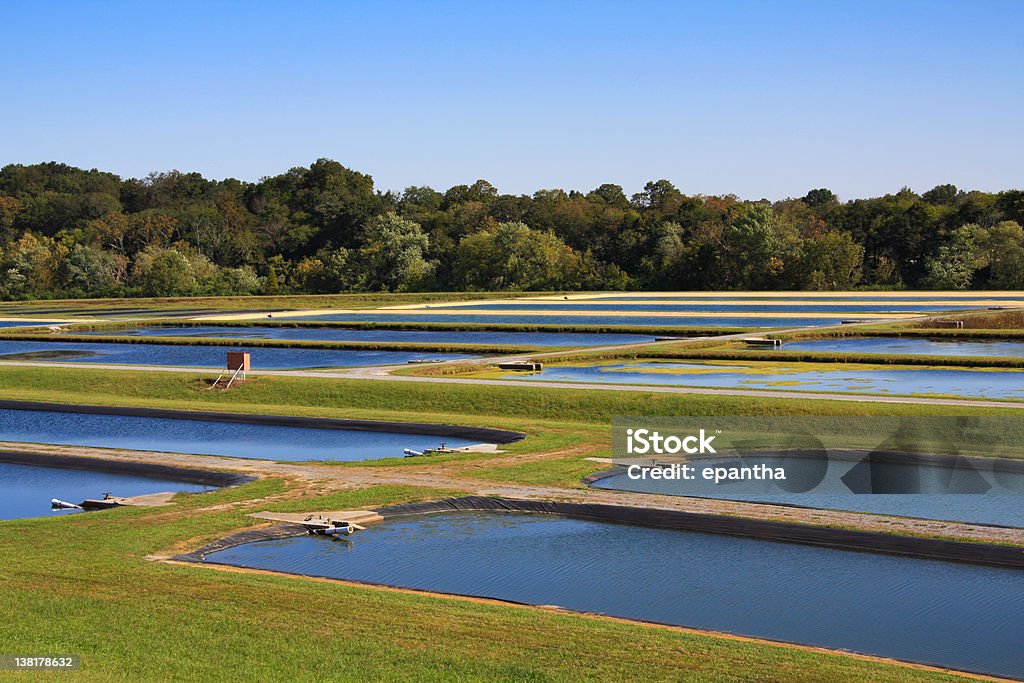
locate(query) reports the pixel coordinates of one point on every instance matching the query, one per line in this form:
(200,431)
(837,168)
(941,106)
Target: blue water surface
(910,346)
(26,490)
(637,320)
(999,384)
(271,442)
(412,336)
(956,615)
(999,500)
(207,356)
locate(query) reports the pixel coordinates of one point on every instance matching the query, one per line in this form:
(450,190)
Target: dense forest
(68,232)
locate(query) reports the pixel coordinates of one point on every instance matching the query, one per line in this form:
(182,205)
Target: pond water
(635,320)
(975,495)
(950,614)
(200,437)
(1001,384)
(26,490)
(18,323)
(853,308)
(206,356)
(910,346)
(412,336)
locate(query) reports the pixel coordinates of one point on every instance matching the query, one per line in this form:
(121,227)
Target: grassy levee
(439,370)
(1007,324)
(1012,319)
(81,584)
(470,403)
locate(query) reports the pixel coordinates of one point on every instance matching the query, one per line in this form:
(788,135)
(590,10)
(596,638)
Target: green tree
(392,255)
(164,272)
(954,265)
(666,250)
(514,257)
(660,197)
(832,261)
(241,281)
(821,197)
(1001,248)
(272,285)
(29,267)
(941,195)
(330,272)
(88,269)
(751,258)
(9,207)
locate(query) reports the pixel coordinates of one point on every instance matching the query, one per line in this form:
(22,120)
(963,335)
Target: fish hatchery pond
(633,320)
(26,490)
(863,379)
(955,615)
(342,334)
(214,437)
(926,490)
(269,358)
(921,346)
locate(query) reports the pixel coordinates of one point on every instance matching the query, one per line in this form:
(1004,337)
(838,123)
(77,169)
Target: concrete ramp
(150,499)
(362,517)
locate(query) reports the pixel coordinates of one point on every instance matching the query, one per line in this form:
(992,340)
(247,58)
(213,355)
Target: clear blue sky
(760,99)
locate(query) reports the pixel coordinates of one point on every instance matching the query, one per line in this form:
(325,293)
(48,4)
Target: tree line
(68,232)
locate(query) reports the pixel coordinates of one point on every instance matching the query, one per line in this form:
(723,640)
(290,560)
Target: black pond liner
(188,475)
(766,530)
(479,434)
(786,532)
(773,531)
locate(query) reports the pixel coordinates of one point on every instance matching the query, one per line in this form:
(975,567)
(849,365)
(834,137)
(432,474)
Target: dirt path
(323,479)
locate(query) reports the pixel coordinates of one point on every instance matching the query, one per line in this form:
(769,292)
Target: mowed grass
(82,584)
(1008,324)
(1012,319)
(504,406)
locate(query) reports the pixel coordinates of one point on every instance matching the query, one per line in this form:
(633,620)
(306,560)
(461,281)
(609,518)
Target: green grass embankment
(80,584)
(451,403)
